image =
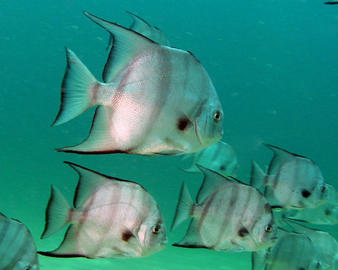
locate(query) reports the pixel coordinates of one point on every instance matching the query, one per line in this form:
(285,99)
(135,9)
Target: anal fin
(100,140)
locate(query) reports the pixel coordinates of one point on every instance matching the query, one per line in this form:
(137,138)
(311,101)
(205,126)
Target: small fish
(292,181)
(161,102)
(332,2)
(228,215)
(219,157)
(110,218)
(17,247)
(292,251)
(142,27)
(324,214)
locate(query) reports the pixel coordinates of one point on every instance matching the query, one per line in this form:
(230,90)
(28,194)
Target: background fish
(17,247)
(228,216)
(293,251)
(292,181)
(325,245)
(111,218)
(155,87)
(325,214)
(142,27)
(219,157)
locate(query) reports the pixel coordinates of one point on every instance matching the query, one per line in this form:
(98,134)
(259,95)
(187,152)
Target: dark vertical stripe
(229,215)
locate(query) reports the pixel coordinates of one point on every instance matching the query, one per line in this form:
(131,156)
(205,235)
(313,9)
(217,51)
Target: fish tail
(185,207)
(79,89)
(57,213)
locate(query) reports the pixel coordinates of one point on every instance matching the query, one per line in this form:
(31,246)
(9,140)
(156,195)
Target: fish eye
(28,267)
(156,229)
(268,228)
(217,116)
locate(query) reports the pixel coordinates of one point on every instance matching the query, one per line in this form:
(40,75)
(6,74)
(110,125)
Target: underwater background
(274,65)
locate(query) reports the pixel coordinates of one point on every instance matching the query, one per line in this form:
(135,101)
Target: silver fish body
(110,218)
(162,100)
(219,157)
(17,247)
(292,181)
(228,216)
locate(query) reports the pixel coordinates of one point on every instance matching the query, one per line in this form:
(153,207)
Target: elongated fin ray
(257,178)
(211,181)
(67,248)
(127,44)
(100,140)
(57,213)
(184,207)
(77,85)
(191,239)
(88,182)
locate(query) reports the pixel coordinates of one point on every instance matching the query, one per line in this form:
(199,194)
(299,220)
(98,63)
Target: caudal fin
(76,94)
(184,207)
(57,213)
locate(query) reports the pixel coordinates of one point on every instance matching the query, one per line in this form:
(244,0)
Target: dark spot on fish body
(183,123)
(301,268)
(306,193)
(328,212)
(126,236)
(243,232)
(222,168)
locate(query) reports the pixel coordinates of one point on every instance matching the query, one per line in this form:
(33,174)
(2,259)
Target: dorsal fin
(88,181)
(127,44)
(211,181)
(139,25)
(257,178)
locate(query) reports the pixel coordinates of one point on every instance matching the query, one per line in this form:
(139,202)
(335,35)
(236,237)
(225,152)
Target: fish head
(152,235)
(208,122)
(264,232)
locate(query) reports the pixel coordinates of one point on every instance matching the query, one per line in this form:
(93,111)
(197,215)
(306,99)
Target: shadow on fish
(155,99)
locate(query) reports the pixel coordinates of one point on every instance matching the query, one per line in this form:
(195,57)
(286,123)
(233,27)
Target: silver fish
(228,215)
(142,27)
(17,247)
(219,157)
(293,251)
(162,100)
(324,214)
(110,218)
(292,181)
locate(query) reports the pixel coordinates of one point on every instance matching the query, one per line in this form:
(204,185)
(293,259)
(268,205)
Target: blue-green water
(273,63)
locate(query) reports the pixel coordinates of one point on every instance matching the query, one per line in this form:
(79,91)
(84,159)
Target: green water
(273,63)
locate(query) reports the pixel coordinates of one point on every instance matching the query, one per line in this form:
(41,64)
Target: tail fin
(184,207)
(77,85)
(57,213)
